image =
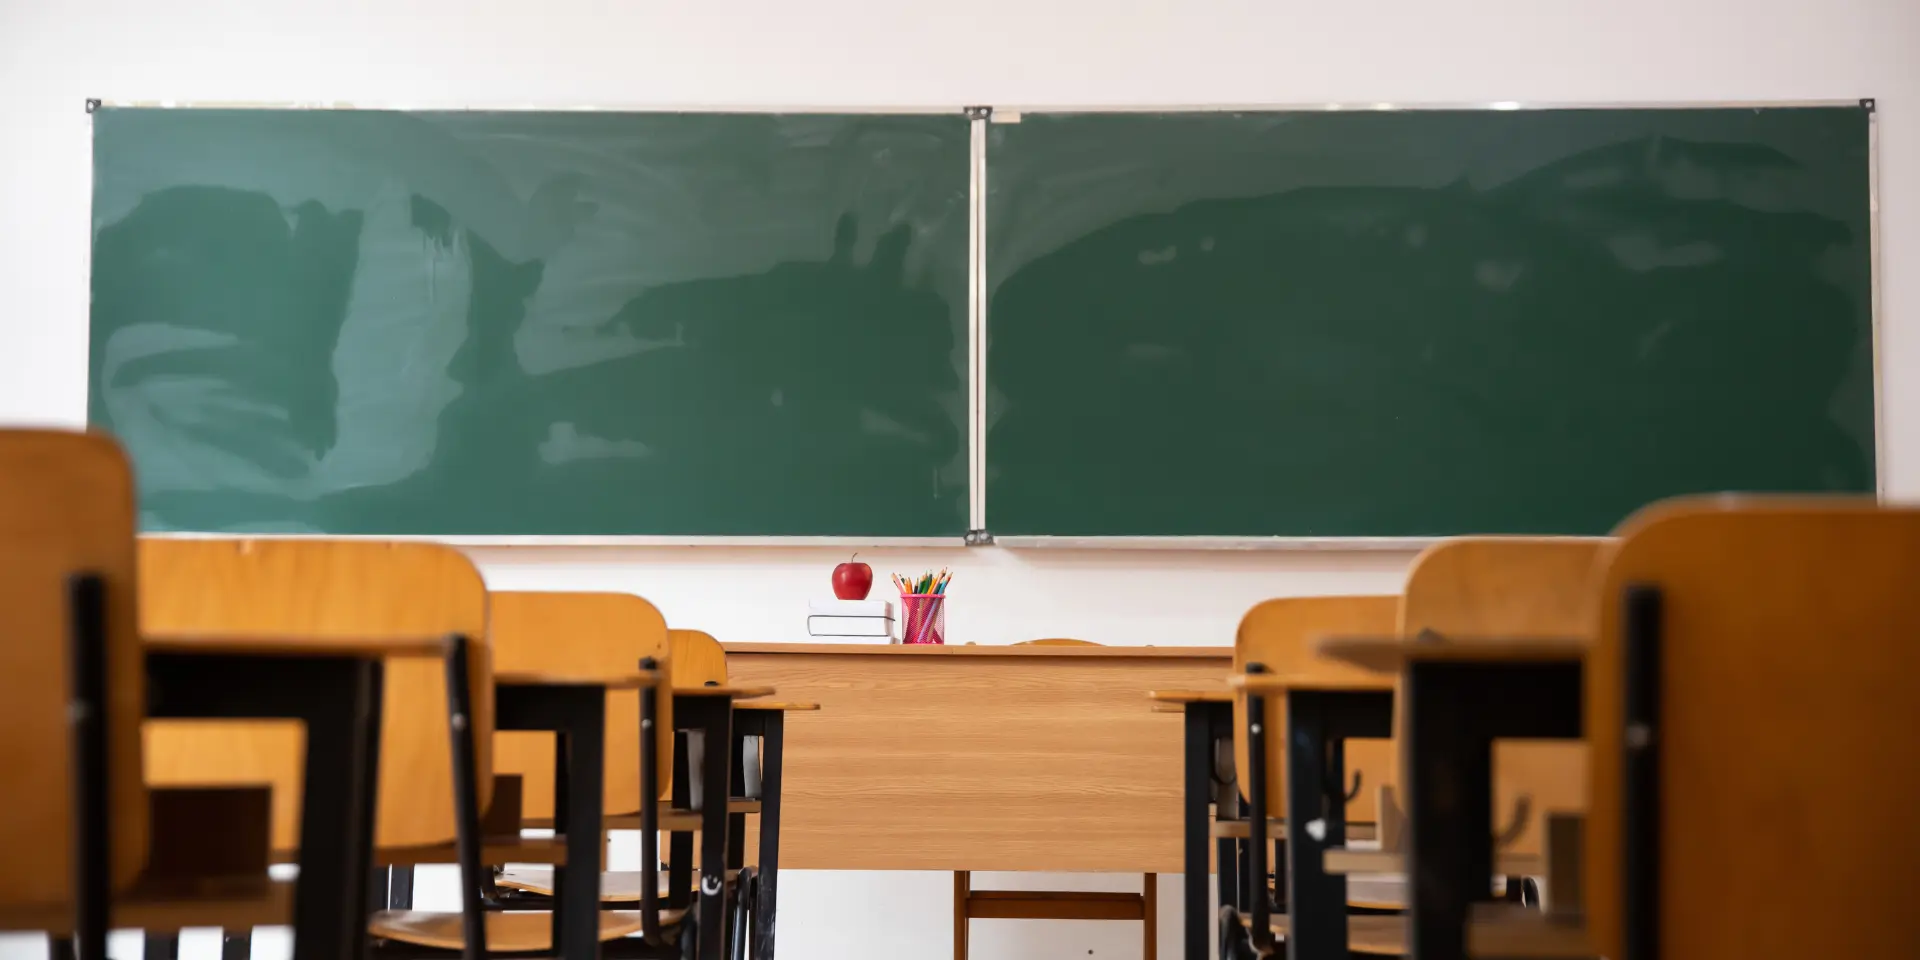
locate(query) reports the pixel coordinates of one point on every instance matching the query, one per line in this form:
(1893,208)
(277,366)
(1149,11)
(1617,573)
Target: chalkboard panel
(1421,323)
(374,322)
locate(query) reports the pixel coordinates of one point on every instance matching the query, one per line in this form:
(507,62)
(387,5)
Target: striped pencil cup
(925,618)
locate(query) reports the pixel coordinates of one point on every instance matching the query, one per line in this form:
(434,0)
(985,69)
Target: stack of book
(851,621)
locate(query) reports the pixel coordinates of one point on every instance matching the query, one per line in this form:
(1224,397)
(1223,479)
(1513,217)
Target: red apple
(851,580)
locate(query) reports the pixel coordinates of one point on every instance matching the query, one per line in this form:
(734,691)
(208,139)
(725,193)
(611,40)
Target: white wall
(53,54)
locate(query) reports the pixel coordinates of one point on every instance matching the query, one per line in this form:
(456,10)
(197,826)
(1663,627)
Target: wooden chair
(84,843)
(1754,798)
(970,904)
(434,785)
(585,634)
(1275,639)
(1512,588)
(698,669)
(1472,587)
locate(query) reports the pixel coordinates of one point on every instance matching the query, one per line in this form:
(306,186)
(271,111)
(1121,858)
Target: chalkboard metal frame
(1013,114)
(975,318)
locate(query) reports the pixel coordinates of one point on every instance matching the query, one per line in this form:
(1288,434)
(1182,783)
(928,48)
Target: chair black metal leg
(1199,784)
(1449,818)
(737,822)
(710,797)
(766,879)
(87,721)
(236,944)
(466,802)
(579,903)
(680,843)
(400,888)
(741,898)
(1259,810)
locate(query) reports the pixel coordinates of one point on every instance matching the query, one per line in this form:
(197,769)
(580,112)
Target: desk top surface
(979,650)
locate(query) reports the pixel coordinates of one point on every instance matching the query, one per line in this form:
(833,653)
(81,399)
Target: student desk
(981,757)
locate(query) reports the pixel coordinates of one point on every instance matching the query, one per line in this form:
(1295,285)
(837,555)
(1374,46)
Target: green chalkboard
(1421,323)
(523,323)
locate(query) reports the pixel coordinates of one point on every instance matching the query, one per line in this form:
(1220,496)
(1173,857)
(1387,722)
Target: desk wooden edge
(1393,654)
(1183,697)
(978,650)
(1282,682)
(255,645)
(780,706)
(737,693)
(528,678)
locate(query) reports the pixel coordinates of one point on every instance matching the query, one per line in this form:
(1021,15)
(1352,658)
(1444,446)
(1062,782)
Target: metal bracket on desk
(979,538)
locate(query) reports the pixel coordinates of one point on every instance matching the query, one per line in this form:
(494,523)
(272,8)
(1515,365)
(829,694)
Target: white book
(862,641)
(850,626)
(850,608)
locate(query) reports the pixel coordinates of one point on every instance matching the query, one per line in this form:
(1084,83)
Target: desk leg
(1199,784)
(577,716)
(766,910)
(1318,725)
(1455,712)
(711,722)
(1317,900)
(680,842)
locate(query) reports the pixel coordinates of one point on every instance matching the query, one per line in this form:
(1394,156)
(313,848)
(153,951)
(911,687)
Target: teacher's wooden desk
(981,757)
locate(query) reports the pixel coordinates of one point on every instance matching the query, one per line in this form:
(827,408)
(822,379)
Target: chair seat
(506,931)
(268,904)
(1496,930)
(493,850)
(1373,935)
(678,819)
(616,886)
(1361,860)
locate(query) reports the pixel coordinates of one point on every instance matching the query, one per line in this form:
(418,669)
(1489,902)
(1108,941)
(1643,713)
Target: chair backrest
(66,507)
(698,659)
(1788,647)
(1519,588)
(1279,635)
(361,590)
(1056,642)
(588,635)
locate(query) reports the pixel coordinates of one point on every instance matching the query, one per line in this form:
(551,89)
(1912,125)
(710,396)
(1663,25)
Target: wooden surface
(1054,905)
(1349,860)
(778,706)
(992,651)
(267,646)
(331,591)
(1389,655)
(616,886)
(1495,930)
(505,931)
(66,506)
(1203,695)
(1377,936)
(596,636)
(1279,634)
(1789,765)
(1505,587)
(698,659)
(980,758)
(732,690)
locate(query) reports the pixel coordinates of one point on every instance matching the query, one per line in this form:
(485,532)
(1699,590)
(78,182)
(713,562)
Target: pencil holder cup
(925,618)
